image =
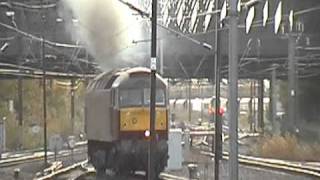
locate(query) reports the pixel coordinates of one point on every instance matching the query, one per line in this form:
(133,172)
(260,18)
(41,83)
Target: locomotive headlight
(146,133)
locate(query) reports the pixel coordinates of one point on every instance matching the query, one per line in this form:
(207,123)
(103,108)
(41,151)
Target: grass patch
(287,147)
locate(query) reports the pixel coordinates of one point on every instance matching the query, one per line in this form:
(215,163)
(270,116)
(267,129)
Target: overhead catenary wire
(33,6)
(46,42)
(12,4)
(33,37)
(145,14)
(257,23)
(54,45)
(309,10)
(7,38)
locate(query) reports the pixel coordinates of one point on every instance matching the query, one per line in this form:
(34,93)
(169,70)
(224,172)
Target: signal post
(153,67)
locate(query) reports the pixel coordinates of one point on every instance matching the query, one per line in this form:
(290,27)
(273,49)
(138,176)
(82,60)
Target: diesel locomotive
(117,120)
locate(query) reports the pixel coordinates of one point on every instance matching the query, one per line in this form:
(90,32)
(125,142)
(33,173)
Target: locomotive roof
(114,78)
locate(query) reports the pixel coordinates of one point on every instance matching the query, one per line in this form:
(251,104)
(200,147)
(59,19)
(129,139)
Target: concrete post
(261,105)
(273,97)
(189,100)
(250,107)
(233,90)
(254,115)
(72,105)
(291,81)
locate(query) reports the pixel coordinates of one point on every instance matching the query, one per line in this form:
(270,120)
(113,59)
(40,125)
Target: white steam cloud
(106,27)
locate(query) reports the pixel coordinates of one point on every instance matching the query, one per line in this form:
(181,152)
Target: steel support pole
(20,112)
(273,97)
(153,67)
(1,137)
(297,99)
(189,100)
(20,97)
(291,81)
(233,90)
(254,115)
(261,105)
(44,90)
(250,107)
(218,120)
(44,97)
(161,56)
(72,108)
(201,96)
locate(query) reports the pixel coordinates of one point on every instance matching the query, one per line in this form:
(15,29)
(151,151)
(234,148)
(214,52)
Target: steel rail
(9,162)
(166,176)
(31,159)
(273,164)
(62,170)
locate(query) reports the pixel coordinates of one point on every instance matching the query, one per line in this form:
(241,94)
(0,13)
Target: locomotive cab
(134,107)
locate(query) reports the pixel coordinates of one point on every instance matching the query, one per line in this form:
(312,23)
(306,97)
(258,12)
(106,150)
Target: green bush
(58,112)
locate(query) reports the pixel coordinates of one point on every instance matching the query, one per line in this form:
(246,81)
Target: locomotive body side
(100,125)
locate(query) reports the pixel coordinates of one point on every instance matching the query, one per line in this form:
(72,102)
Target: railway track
(74,171)
(166,176)
(10,155)
(81,171)
(38,156)
(276,164)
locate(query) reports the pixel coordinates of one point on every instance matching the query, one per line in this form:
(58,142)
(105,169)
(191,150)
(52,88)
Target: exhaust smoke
(107,29)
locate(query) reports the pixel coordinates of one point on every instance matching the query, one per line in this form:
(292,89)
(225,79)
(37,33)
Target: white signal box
(175,149)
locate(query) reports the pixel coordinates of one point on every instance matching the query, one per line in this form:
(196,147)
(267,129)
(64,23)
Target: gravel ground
(27,171)
(206,170)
